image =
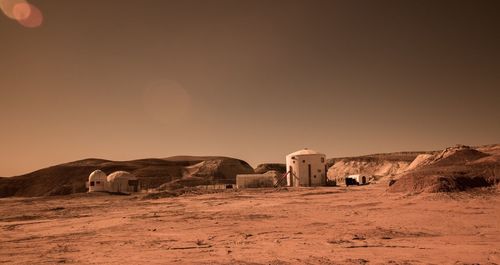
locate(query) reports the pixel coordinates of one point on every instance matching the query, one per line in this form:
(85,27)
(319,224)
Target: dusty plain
(327,225)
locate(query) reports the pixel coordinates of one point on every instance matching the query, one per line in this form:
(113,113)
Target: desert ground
(327,225)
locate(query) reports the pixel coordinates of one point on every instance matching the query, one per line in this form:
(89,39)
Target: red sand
(359,225)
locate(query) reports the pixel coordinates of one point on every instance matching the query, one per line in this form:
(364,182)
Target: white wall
(299,165)
(99,184)
(120,185)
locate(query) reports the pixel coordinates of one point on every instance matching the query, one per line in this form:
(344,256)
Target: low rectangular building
(255,181)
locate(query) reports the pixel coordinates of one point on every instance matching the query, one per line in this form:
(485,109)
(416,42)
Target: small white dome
(97,175)
(120,175)
(305,151)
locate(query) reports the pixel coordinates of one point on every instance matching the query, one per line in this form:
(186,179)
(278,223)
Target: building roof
(97,174)
(120,175)
(305,151)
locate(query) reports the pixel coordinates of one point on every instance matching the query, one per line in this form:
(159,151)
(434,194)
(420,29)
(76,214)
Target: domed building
(122,181)
(97,181)
(306,168)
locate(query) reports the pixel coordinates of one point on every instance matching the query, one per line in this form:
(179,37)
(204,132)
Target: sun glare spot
(34,18)
(23,12)
(7,7)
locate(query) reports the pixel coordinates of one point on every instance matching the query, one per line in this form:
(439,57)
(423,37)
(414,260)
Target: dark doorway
(326,175)
(290,171)
(309,168)
(135,184)
(363,180)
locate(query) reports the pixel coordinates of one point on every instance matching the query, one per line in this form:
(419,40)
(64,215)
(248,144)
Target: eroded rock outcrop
(376,166)
(453,169)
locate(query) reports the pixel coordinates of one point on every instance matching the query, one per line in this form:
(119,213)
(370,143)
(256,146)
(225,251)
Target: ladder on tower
(281,181)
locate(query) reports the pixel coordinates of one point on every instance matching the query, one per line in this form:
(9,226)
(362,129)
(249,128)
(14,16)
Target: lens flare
(28,15)
(7,7)
(23,12)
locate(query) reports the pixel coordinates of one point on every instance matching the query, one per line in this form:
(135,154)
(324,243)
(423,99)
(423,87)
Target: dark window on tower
(91,183)
(97,182)
(303,161)
(322,160)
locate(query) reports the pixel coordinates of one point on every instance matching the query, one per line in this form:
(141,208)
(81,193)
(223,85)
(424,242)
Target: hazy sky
(249,79)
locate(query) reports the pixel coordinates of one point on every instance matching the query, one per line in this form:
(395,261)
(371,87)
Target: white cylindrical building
(306,168)
(97,181)
(123,182)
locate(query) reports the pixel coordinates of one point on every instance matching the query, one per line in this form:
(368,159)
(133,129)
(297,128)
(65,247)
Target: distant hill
(263,168)
(71,177)
(455,168)
(417,171)
(378,165)
(395,156)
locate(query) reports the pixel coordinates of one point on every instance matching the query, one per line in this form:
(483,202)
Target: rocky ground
(334,225)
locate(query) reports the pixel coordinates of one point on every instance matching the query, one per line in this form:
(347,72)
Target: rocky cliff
(392,166)
(376,166)
(455,168)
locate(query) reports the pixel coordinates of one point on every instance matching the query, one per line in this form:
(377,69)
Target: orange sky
(249,79)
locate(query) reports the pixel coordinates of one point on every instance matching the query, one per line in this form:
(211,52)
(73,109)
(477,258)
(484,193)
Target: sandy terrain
(337,225)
